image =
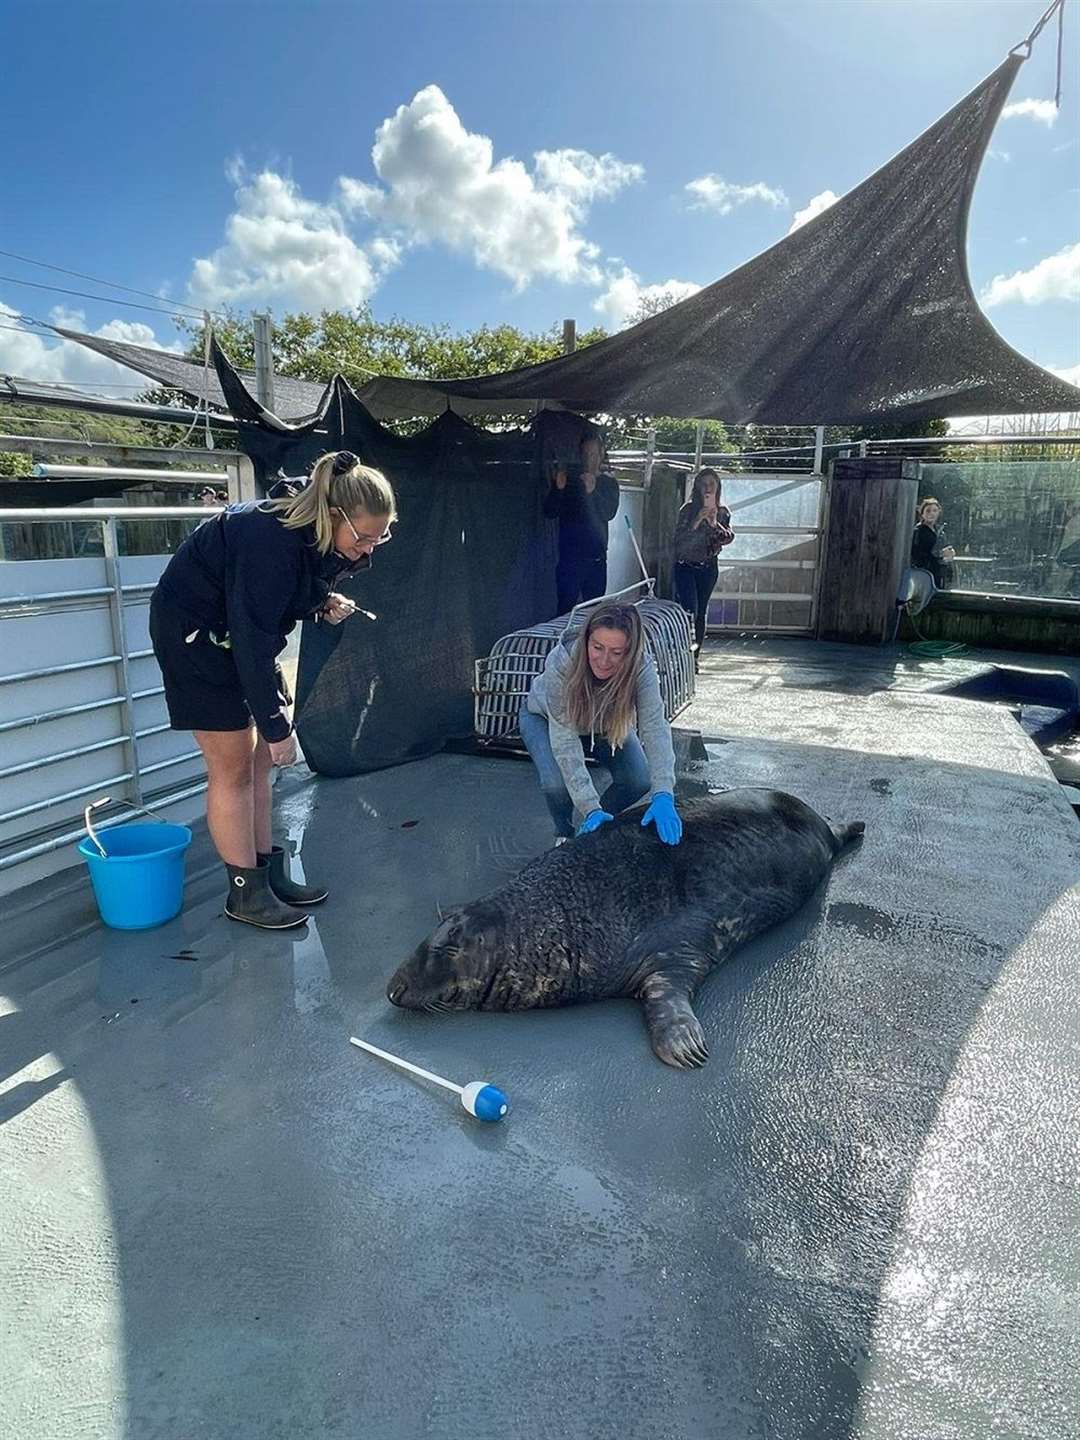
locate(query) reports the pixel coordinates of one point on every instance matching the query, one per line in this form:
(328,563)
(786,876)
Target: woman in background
(584,501)
(701,531)
(927,551)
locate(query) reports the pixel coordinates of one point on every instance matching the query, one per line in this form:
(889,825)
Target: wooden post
(569,336)
(866,547)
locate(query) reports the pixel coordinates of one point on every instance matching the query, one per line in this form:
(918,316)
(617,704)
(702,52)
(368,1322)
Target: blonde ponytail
(339,482)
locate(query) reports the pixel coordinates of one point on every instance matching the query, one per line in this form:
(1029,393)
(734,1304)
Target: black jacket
(583,518)
(925,544)
(243,573)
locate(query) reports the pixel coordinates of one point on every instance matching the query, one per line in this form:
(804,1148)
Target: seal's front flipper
(674,1030)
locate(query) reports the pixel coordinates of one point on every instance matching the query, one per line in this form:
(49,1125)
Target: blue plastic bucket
(139,883)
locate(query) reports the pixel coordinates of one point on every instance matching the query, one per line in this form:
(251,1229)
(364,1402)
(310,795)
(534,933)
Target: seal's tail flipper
(844,834)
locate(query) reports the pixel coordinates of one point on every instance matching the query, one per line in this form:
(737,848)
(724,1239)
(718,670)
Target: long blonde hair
(605,706)
(338,481)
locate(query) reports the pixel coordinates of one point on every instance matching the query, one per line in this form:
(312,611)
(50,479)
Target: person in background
(219,617)
(601,690)
(584,501)
(927,550)
(701,531)
(211,498)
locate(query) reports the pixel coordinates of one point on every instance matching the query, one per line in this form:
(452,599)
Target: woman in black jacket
(584,502)
(220,616)
(927,551)
(702,529)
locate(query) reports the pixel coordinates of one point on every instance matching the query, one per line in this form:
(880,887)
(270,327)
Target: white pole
(650,456)
(637,549)
(405,1065)
(264,361)
(819,447)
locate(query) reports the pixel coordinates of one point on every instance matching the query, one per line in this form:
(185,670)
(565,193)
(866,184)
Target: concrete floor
(218,1219)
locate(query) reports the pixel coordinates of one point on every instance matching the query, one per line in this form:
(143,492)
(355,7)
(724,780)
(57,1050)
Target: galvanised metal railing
(133,779)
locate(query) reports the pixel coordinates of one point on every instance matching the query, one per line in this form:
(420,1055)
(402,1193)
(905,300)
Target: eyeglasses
(364,539)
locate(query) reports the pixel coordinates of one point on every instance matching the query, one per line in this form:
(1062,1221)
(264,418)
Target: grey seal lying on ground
(615,913)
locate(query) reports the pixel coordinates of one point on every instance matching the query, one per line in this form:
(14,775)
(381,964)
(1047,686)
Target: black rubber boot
(252,901)
(285,888)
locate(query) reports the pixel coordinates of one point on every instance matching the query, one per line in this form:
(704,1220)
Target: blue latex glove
(665,817)
(593,821)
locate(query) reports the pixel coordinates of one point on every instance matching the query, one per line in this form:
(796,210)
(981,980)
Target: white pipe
(124,472)
(405,1065)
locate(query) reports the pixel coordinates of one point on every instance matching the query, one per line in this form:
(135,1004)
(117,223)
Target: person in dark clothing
(701,531)
(220,616)
(584,501)
(927,551)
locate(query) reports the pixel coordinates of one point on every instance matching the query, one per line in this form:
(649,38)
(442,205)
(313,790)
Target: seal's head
(456,968)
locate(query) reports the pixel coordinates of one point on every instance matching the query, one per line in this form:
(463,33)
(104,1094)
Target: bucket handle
(107,800)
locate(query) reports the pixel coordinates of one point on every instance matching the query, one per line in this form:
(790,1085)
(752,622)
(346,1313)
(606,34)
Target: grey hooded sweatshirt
(547,697)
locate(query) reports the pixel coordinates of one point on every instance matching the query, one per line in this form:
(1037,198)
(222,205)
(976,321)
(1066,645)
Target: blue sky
(532,159)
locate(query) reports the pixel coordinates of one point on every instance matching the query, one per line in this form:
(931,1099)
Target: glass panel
(1014,524)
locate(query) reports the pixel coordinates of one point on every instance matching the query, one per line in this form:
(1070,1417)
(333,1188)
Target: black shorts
(202,683)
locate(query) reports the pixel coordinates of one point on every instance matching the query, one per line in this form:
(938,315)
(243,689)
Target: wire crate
(503,678)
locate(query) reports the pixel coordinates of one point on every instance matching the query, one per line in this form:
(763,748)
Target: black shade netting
(472,559)
(864,316)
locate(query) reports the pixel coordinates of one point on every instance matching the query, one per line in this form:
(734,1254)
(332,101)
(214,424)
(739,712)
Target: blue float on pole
(480,1099)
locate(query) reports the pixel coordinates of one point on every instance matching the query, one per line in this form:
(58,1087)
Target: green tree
(17,418)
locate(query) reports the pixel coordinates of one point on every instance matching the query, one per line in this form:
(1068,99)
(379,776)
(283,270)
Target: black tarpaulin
(295,401)
(863,316)
(472,559)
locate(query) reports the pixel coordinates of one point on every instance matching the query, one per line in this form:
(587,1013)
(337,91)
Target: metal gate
(769,576)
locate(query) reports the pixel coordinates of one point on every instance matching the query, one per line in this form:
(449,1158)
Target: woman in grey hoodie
(600,689)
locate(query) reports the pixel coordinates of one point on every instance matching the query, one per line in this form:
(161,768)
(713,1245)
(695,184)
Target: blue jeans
(629,769)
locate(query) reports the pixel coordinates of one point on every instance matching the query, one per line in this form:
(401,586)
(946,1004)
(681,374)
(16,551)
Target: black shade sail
(863,316)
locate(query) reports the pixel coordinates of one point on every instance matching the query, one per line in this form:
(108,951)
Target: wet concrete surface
(860,1219)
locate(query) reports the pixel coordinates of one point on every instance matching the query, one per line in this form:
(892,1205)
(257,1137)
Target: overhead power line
(84,295)
(97,280)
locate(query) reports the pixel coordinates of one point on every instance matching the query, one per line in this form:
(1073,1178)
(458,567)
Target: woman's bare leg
(262,795)
(230,797)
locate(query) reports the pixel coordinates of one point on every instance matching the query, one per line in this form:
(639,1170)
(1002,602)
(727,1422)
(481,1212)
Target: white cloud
(710,192)
(626,297)
(583,177)
(1069,373)
(1055,278)
(281,246)
(1002,155)
(1044,110)
(441,184)
(814,208)
(35,355)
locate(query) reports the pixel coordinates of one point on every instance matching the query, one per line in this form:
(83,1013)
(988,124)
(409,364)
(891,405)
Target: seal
(614,914)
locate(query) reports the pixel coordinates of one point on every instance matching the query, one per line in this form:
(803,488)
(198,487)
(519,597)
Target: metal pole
(819,447)
(650,457)
(699,444)
(569,336)
(116,613)
(264,361)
